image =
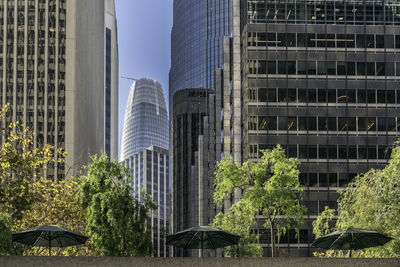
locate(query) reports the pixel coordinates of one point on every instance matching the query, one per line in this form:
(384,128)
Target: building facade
(320,78)
(146,118)
(197,41)
(144,150)
(149,169)
(52,62)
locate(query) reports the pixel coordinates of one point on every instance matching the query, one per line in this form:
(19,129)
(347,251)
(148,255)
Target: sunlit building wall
(53,61)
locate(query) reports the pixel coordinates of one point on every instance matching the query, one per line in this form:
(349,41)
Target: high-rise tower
(321,79)
(144,150)
(146,118)
(317,77)
(53,60)
(197,41)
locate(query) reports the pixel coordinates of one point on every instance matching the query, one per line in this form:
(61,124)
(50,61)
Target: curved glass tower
(146,119)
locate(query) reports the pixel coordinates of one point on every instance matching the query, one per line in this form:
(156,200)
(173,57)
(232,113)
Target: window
(362,124)
(262,95)
(302,123)
(272,95)
(282,123)
(267,123)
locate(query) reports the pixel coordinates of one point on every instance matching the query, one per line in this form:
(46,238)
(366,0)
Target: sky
(144,41)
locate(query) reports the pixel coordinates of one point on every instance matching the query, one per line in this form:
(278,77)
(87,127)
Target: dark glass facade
(320,78)
(197,42)
(190,110)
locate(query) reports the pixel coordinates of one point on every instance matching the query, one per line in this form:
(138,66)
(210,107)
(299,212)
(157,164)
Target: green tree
(371,201)
(21,164)
(269,187)
(116,217)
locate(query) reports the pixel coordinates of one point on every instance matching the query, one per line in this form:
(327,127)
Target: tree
(21,164)
(269,187)
(371,201)
(116,217)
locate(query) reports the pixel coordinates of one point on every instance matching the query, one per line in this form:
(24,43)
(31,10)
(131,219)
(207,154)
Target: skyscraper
(53,60)
(144,150)
(197,42)
(319,78)
(146,118)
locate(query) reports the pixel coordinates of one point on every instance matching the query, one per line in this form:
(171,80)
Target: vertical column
(15,45)
(5,25)
(25,109)
(55,107)
(35,99)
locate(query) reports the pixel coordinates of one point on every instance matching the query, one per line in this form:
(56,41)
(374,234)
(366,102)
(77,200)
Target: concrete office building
(321,79)
(317,77)
(55,58)
(144,150)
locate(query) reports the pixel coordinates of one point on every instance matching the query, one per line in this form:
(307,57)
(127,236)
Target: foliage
(26,199)
(116,218)
(269,187)
(21,164)
(371,201)
(323,224)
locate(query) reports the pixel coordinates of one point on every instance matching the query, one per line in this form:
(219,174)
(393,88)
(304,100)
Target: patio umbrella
(351,239)
(201,237)
(49,236)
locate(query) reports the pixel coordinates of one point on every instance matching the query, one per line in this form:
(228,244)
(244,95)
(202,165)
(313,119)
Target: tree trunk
(272,241)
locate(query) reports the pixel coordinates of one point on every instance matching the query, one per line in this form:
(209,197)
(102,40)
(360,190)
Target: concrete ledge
(192,262)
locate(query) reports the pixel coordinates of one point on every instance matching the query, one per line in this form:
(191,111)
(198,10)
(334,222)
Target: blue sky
(144,41)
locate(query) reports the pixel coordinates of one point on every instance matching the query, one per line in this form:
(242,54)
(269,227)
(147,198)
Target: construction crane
(128,78)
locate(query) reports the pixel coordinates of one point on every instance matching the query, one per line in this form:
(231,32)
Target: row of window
(332,152)
(343,68)
(302,95)
(326,179)
(319,12)
(361,124)
(323,40)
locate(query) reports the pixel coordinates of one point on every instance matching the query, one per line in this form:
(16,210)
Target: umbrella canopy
(49,236)
(351,239)
(201,237)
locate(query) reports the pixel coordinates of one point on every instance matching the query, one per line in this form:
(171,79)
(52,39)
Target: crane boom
(128,78)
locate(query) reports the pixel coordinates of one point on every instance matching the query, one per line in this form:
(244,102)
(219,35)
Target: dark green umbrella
(202,237)
(351,239)
(49,236)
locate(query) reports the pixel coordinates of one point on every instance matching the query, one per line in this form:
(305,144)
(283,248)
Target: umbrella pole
(49,245)
(201,252)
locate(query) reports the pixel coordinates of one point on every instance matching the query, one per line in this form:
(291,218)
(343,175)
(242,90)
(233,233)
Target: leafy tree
(371,201)
(116,217)
(269,187)
(21,164)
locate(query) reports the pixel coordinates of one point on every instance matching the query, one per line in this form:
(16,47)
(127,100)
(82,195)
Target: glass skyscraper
(197,40)
(146,119)
(144,151)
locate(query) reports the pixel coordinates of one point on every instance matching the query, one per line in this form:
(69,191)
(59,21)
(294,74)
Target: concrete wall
(193,262)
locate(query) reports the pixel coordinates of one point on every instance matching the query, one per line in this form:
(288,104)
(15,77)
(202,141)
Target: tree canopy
(370,201)
(269,187)
(116,218)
